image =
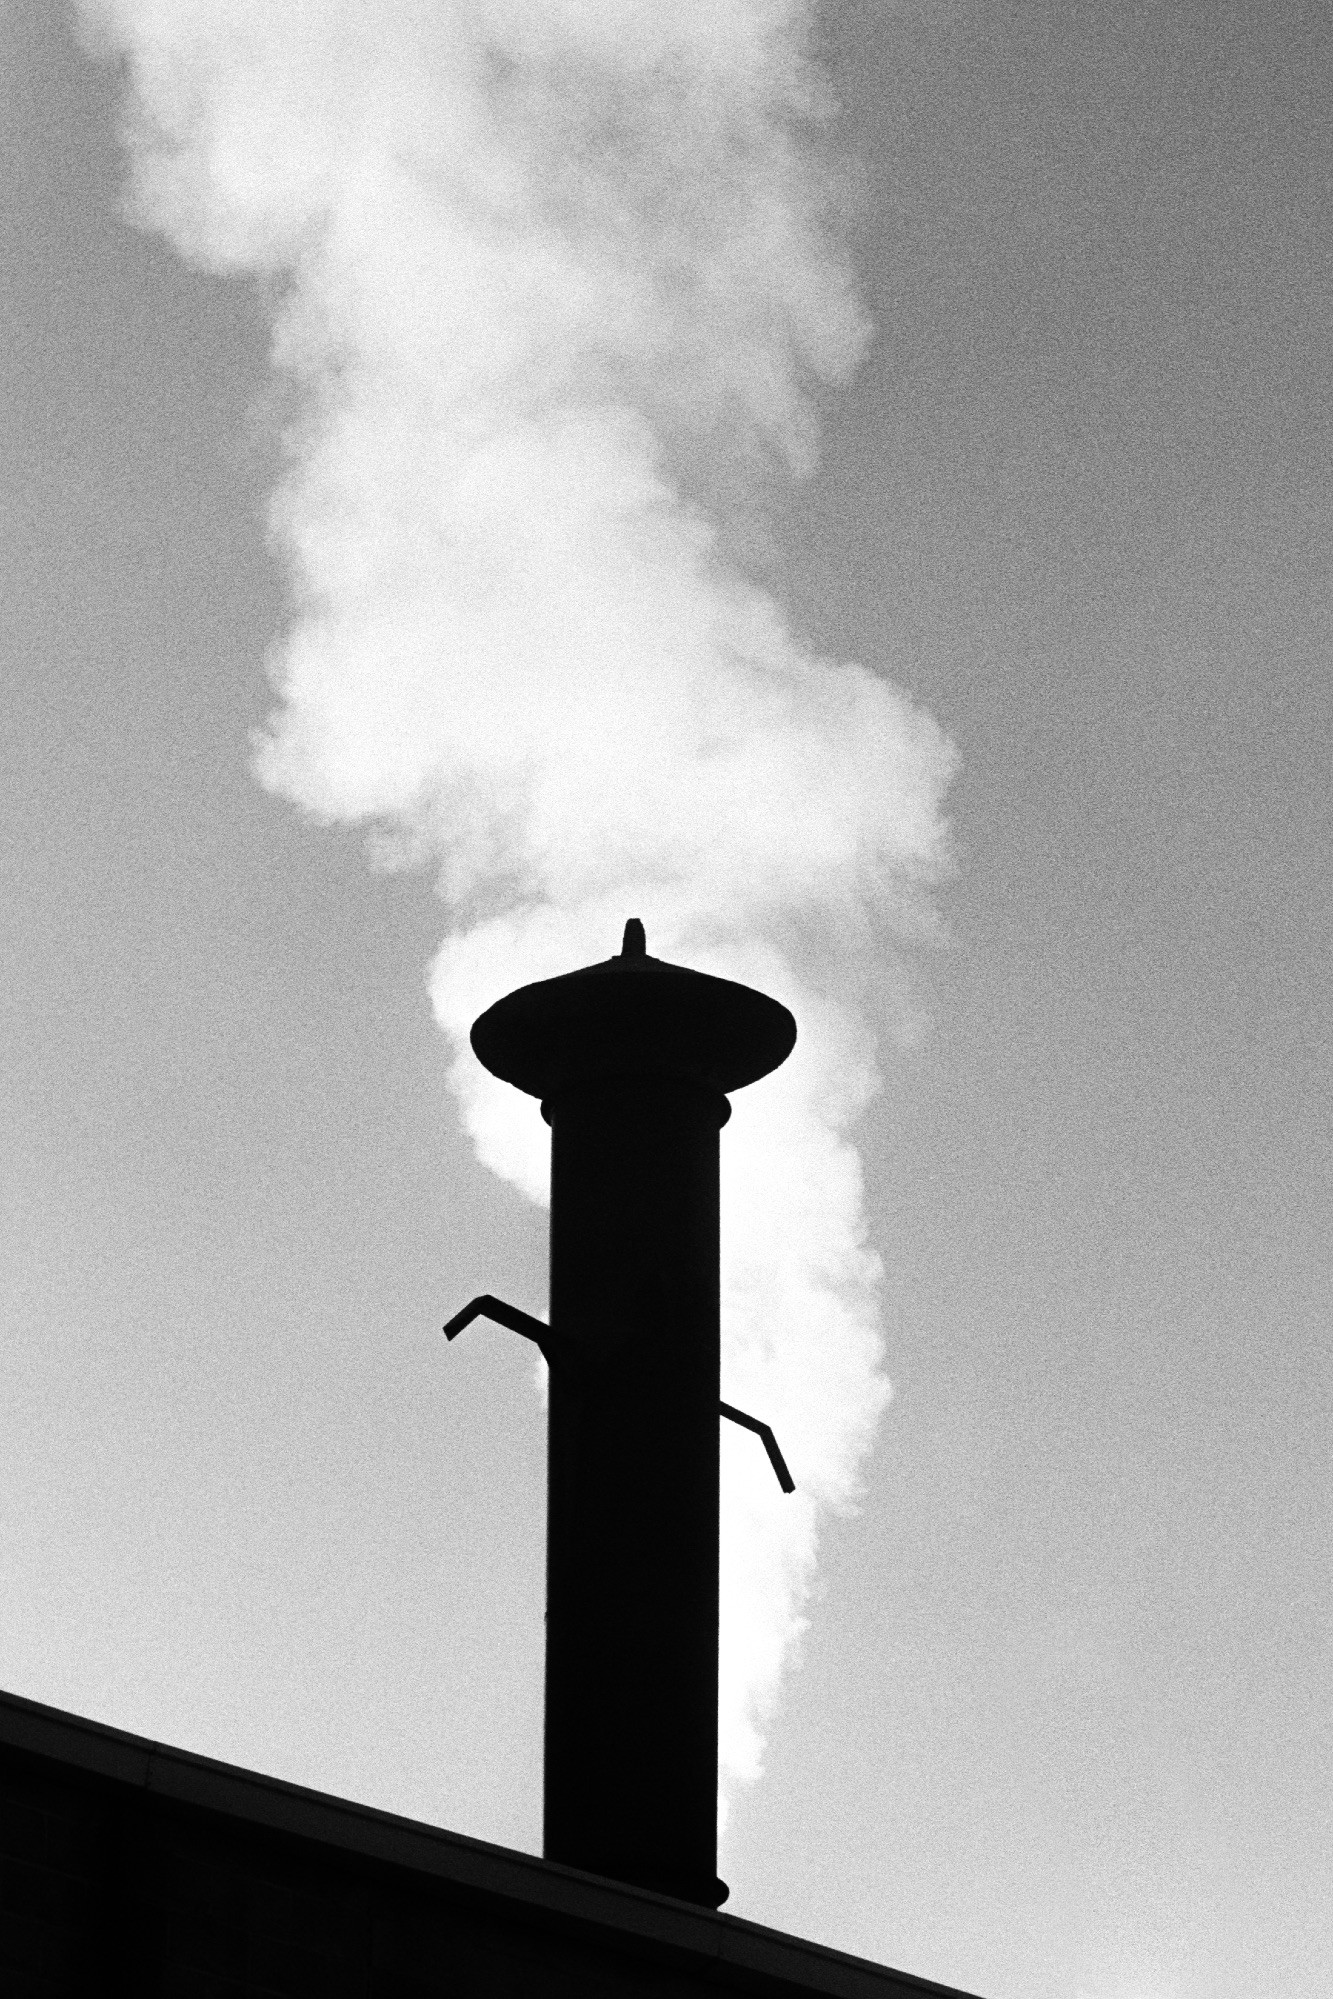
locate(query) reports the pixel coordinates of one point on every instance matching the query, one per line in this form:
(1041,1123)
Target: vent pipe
(632,1060)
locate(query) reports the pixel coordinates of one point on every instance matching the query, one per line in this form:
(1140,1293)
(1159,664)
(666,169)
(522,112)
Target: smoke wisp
(544,275)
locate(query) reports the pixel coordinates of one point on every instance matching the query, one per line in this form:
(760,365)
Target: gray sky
(1062,1725)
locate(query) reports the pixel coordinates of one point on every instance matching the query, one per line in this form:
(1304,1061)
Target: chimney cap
(632,1015)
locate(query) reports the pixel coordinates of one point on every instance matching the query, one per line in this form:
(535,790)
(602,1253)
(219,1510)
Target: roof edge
(532,1889)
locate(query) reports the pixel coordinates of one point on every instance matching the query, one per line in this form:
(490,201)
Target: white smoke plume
(544,275)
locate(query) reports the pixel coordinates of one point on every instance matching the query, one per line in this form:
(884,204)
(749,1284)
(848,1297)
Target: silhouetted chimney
(632,1060)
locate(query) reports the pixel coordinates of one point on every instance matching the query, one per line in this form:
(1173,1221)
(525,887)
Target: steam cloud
(552,280)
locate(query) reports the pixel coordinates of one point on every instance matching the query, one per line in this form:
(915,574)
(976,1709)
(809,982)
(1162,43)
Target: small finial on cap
(635,944)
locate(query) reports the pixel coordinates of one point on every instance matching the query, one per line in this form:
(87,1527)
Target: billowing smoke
(550,283)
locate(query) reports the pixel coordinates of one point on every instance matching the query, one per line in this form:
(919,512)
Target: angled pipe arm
(485,1306)
(769,1441)
(509,1316)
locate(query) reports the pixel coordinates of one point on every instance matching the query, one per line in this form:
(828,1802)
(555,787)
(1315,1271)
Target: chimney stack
(632,1060)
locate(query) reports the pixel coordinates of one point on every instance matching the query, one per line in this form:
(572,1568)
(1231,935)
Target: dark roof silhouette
(134,1868)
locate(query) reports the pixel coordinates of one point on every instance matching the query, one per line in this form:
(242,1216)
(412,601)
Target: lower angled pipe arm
(770,1443)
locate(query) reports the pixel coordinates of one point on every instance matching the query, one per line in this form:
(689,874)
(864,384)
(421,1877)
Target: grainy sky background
(1063,1727)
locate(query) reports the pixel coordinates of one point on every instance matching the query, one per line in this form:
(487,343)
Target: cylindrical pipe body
(632,1060)
(632,1533)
